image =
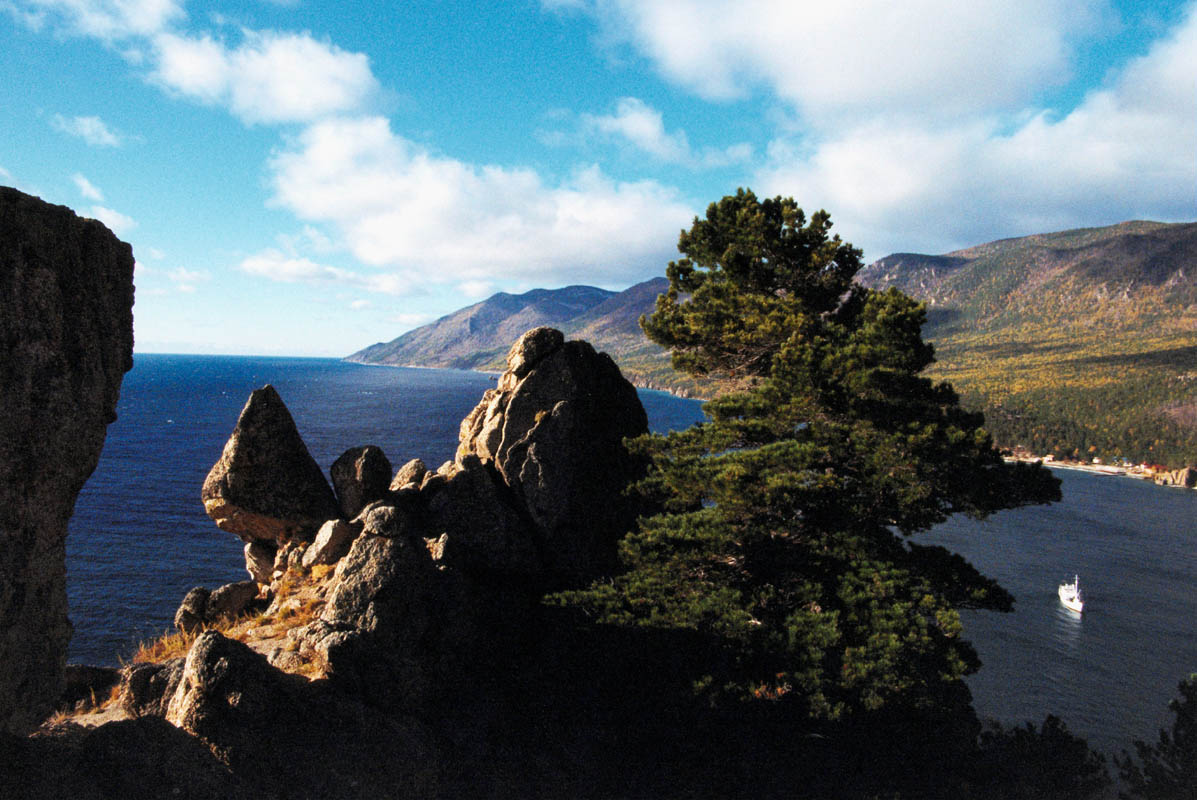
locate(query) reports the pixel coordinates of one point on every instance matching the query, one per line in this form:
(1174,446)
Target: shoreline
(1099,469)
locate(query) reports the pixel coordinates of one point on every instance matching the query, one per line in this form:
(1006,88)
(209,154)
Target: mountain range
(1080,343)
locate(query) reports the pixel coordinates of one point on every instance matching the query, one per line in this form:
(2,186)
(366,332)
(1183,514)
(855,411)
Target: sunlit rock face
(66,327)
(266,488)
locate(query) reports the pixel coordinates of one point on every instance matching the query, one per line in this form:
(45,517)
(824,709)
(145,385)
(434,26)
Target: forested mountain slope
(1079,343)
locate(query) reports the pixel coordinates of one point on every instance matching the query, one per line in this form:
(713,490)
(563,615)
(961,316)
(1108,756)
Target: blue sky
(308,178)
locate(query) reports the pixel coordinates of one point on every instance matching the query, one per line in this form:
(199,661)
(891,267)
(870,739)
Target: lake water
(1109,672)
(140,539)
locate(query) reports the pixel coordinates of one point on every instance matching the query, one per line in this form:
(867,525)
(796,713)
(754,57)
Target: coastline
(1135,473)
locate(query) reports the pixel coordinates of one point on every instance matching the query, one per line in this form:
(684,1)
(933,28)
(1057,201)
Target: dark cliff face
(66,330)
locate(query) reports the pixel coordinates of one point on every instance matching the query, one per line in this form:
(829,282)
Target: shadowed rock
(266,486)
(269,726)
(360,476)
(146,689)
(554,429)
(66,335)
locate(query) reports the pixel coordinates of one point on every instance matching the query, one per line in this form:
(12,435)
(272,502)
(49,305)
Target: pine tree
(1169,770)
(784,536)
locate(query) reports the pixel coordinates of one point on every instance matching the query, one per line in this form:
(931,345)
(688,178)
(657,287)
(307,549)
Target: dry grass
(167,646)
(299,597)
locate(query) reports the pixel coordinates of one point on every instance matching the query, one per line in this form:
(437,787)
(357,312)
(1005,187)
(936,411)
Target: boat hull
(1070,597)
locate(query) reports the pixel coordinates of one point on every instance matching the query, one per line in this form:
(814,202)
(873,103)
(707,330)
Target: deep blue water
(140,539)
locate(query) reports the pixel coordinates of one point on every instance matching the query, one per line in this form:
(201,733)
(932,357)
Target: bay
(1110,671)
(139,539)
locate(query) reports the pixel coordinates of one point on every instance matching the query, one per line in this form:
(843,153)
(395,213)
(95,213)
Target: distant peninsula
(1080,344)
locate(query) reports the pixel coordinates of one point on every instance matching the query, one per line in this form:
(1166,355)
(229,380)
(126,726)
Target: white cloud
(185,280)
(88,189)
(108,20)
(441,220)
(1127,151)
(643,126)
(5,174)
(358,305)
(284,268)
(269,78)
(411,320)
(923,57)
(92,130)
(117,222)
(476,289)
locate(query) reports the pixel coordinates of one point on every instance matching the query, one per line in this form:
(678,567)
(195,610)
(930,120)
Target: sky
(308,178)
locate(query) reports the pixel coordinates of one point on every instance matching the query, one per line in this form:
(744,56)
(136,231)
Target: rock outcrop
(435,587)
(201,607)
(266,487)
(554,430)
(271,726)
(360,476)
(66,328)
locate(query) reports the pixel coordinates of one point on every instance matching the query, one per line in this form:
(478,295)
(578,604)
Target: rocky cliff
(66,324)
(375,649)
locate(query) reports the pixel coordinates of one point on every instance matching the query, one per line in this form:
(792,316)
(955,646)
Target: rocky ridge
(381,629)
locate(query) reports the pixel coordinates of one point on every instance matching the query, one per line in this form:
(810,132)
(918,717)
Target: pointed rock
(266,486)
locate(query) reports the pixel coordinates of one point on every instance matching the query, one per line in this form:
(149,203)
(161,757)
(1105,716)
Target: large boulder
(266,487)
(270,726)
(554,428)
(147,688)
(66,334)
(480,518)
(360,476)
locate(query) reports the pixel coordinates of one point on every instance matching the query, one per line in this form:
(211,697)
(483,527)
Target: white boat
(1070,595)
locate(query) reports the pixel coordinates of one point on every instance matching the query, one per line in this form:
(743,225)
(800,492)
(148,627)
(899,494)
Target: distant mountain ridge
(1079,342)
(479,336)
(1116,274)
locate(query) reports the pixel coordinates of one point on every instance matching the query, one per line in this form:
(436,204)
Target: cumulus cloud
(924,57)
(117,222)
(287,268)
(88,189)
(269,77)
(643,127)
(108,20)
(396,204)
(1126,151)
(92,130)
